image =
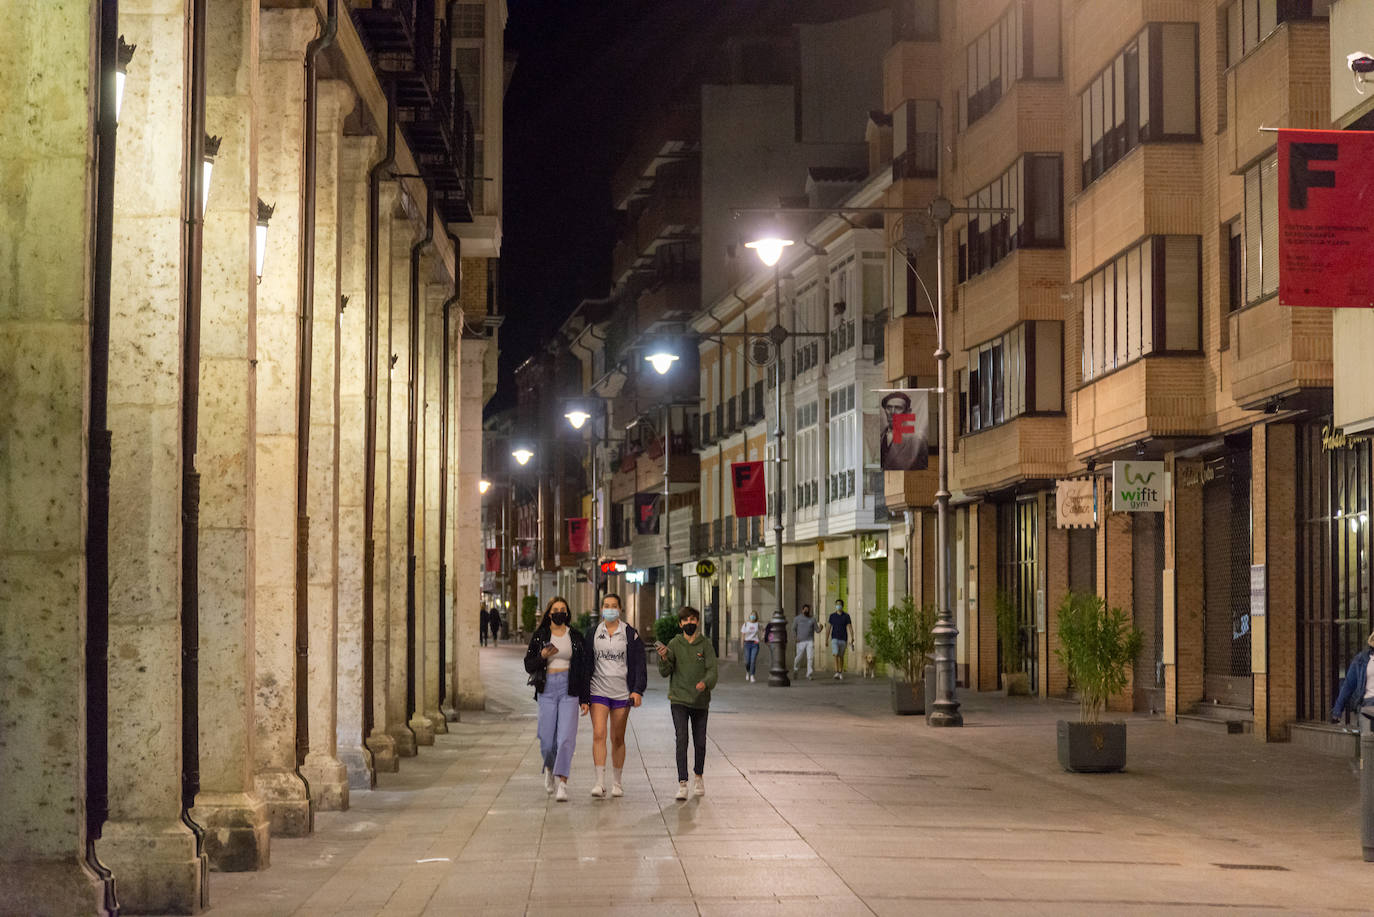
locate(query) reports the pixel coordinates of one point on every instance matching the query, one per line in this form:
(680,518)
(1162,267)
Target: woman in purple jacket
(619,676)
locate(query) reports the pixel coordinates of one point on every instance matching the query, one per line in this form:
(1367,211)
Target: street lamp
(264,217)
(522,456)
(769,249)
(124,54)
(662,361)
(577,418)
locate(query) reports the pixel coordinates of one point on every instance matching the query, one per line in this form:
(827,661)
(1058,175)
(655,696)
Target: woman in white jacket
(750,632)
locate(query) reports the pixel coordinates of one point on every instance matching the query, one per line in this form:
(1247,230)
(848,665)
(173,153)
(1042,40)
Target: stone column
(451,610)
(228,805)
(381,742)
(324,774)
(355,158)
(398,391)
(467,541)
(433,345)
(419,722)
(284,36)
(46,231)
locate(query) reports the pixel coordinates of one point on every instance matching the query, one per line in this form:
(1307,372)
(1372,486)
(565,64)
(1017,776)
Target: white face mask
(839,607)
(753,617)
(610,614)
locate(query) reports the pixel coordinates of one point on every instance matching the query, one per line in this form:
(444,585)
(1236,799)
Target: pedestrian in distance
(619,677)
(1357,689)
(482,628)
(749,631)
(689,664)
(494,623)
(804,631)
(838,631)
(560,669)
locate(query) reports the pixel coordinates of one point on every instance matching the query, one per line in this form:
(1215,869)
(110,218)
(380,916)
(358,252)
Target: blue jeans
(557,724)
(751,655)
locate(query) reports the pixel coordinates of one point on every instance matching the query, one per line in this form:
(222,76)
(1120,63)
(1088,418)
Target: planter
(1092,748)
(1016,684)
(908,699)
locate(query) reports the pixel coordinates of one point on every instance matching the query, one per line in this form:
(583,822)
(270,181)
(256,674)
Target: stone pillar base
(423,728)
(358,762)
(155,866)
(472,700)
(450,712)
(289,807)
(405,741)
(438,722)
(237,835)
(57,888)
(328,781)
(384,757)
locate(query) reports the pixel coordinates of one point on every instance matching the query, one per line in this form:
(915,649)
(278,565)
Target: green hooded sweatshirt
(686,665)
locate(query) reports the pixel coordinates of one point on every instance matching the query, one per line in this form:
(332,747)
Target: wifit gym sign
(1138,487)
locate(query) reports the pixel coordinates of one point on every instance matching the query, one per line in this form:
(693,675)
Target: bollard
(1367,787)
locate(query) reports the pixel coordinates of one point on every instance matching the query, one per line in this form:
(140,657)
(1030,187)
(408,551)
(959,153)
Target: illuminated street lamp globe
(577,418)
(769,248)
(523,456)
(662,361)
(483,486)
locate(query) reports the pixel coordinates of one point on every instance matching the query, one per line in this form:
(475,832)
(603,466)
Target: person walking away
(838,631)
(749,630)
(1357,690)
(560,666)
(482,628)
(495,624)
(619,677)
(804,631)
(689,664)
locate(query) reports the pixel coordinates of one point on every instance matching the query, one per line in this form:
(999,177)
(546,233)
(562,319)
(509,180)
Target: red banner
(1326,238)
(579,535)
(751,489)
(493,560)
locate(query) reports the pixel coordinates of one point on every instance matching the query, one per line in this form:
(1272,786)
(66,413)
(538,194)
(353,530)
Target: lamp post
(578,418)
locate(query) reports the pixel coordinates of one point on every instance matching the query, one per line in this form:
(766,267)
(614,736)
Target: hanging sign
(750,487)
(579,535)
(1326,192)
(1138,487)
(493,560)
(646,513)
(905,441)
(705,568)
(1074,504)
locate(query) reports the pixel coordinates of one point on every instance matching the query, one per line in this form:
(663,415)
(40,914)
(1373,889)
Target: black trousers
(682,714)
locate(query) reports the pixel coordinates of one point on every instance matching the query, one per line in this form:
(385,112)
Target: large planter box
(1092,748)
(908,699)
(1016,684)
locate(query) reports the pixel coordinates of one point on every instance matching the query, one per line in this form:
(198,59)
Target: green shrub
(1008,632)
(1096,645)
(665,628)
(903,636)
(529,612)
(584,623)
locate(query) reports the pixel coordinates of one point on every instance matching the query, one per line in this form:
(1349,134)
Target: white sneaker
(616,791)
(681,791)
(562,794)
(836,676)
(599,791)
(548,780)
(699,788)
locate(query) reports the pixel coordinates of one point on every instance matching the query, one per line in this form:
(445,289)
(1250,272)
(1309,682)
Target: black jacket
(636,669)
(579,673)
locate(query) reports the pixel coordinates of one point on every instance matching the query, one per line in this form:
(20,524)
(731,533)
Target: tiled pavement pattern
(819,801)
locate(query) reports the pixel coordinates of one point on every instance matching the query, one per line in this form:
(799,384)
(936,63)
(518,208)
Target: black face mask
(561,618)
(689,629)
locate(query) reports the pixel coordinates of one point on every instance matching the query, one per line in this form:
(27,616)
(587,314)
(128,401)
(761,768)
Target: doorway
(1226,677)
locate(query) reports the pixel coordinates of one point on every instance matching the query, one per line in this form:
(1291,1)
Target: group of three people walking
(604,674)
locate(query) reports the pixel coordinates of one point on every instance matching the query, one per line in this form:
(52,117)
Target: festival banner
(751,489)
(646,513)
(579,535)
(1325,236)
(493,560)
(905,441)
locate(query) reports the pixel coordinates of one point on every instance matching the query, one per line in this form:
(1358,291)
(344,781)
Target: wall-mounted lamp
(122,58)
(207,167)
(264,217)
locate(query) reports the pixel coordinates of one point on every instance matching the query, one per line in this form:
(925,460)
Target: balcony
(1029,118)
(1284,82)
(916,489)
(668,301)
(1026,448)
(1026,284)
(668,136)
(910,347)
(1157,396)
(1278,351)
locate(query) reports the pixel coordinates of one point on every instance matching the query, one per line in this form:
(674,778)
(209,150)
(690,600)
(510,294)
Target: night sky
(587,72)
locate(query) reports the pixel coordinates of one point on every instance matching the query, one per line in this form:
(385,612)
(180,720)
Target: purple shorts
(607,702)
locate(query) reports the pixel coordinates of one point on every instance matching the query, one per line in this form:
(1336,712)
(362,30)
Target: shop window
(1149,92)
(1022,44)
(1146,300)
(1017,373)
(1250,22)
(1260,232)
(1033,189)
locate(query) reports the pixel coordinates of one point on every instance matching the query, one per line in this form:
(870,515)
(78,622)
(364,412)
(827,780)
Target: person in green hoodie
(689,664)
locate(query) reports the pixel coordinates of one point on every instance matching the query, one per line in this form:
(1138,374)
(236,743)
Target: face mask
(689,629)
(560,618)
(753,617)
(838,606)
(610,614)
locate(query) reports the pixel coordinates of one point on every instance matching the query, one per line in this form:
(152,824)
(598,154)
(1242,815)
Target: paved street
(819,801)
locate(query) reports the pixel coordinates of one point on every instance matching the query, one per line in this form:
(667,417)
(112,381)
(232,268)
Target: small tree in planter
(529,613)
(1096,647)
(902,637)
(1015,681)
(665,629)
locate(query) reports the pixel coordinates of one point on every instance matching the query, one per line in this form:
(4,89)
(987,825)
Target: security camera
(1360,62)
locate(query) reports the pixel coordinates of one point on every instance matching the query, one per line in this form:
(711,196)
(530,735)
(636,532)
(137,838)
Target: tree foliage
(1096,647)
(902,636)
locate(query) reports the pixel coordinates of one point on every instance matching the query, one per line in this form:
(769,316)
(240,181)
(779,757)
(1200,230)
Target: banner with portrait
(579,535)
(904,441)
(647,509)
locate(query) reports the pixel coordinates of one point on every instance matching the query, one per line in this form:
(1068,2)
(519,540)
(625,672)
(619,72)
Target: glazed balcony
(1022,449)
(1029,118)
(1277,351)
(1025,285)
(1284,82)
(1157,396)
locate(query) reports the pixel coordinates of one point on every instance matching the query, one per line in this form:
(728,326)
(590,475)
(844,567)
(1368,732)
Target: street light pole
(667,516)
(777,672)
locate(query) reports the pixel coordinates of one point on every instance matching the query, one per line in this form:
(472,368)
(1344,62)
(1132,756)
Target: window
(1023,43)
(1149,92)
(916,139)
(844,443)
(1033,188)
(1019,372)
(1146,300)
(1261,231)
(467,69)
(469,20)
(916,20)
(808,457)
(1235,266)
(1250,22)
